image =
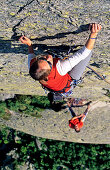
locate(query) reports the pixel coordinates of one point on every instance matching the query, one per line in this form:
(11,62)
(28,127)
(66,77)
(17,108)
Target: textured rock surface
(54,125)
(54,23)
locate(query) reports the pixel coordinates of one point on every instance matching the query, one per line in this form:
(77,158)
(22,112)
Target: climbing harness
(60,95)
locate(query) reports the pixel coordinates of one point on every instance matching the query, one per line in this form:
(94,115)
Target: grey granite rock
(53,23)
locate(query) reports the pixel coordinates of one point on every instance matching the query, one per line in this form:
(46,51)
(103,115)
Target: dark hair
(77,130)
(38,75)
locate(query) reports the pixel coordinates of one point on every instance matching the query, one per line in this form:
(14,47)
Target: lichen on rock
(48,24)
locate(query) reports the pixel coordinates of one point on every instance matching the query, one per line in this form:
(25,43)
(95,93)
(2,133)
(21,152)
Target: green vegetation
(22,148)
(4,113)
(31,105)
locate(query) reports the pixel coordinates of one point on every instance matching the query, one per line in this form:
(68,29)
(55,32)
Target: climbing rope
(99,75)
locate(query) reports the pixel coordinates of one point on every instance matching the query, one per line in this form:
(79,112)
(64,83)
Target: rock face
(49,24)
(54,125)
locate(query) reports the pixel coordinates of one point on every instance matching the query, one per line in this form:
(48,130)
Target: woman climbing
(77,121)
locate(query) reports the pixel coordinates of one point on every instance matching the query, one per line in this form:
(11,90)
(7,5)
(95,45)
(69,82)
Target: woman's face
(77,128)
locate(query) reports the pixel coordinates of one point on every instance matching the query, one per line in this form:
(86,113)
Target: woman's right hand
(94,28)
(25,40)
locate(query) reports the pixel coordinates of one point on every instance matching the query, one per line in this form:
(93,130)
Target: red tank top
(73,122)
(57,82)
